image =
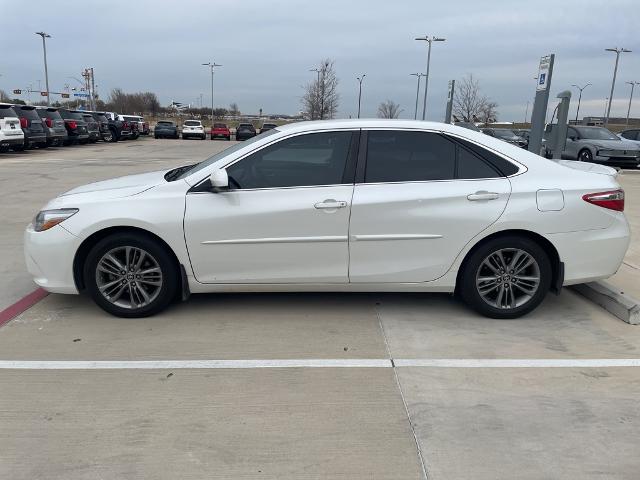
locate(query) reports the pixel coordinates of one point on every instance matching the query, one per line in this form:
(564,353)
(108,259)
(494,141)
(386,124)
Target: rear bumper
(592,254)
(17,140)
(35,138)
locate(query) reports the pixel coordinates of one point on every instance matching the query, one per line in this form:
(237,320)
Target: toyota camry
(344,205)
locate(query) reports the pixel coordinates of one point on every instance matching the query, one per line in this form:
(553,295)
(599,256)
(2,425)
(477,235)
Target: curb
(603,293)
(626,171)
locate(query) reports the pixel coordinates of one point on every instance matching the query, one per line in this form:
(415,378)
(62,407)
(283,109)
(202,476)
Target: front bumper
(49,258)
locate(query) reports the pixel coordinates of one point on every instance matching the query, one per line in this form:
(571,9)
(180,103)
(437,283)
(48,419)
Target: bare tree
(3,96)
(320,99)
(234,110)
(489,113)
(468,102)
(389,109)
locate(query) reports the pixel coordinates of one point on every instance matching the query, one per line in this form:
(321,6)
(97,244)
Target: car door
(572,144)
(285,217)
(420,198)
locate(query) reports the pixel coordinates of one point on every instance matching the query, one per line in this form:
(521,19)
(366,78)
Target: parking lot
(371,386)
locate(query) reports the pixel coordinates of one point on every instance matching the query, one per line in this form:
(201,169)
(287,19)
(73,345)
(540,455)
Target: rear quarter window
(505,167)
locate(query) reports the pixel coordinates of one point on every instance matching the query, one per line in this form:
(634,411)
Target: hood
(122,186)
(613,144)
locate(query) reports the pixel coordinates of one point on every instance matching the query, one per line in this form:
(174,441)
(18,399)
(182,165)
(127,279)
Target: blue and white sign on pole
(543,73)
(85,95)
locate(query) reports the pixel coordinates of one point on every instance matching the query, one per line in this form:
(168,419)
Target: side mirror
(219,180)
(572,138)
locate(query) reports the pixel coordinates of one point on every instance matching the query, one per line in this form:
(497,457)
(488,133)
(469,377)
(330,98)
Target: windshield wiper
(174,174)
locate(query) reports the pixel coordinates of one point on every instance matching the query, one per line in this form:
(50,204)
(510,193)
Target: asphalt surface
(282,407)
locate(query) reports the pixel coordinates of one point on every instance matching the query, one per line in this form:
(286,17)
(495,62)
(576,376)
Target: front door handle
(330,204)
(483,195)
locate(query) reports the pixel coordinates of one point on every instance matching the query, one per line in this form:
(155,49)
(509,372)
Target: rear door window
(403,156)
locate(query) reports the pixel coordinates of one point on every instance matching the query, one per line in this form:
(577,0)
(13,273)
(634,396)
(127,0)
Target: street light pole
(419,76)
(360,79)
(633,84)
(579,97)
(617,51)
(46,72)
(212,65)
(428,39)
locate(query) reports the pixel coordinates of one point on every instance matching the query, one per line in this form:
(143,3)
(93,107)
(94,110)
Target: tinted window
(503,166)
(571,132)
(396,156)
(630,134)
(192,123)
(470,166)
(312,159)
(7,112)
(67,115)
(219,125)
(49,113)
(168,124)
(29,113)
(596,133)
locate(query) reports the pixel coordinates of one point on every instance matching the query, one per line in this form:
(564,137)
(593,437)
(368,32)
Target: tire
(585,155)
(156,137)
(156,294)
(114,135)
(228,138)
(500,295)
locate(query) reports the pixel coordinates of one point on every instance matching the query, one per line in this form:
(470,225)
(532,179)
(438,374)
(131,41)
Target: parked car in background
(103,123)
(53,125)
(143,127)
(424,207)
(468,125)
(32,127)
(267,126)
(594,144)
(166,129)
(220,130)
(505,135)
(193,128)
(120,129)
(245,131)
(10,132)
(524,134)
(76,127)
(632,135)
(93,127)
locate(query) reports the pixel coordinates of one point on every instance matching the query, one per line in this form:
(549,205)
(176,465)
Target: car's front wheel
(506,277)
(585,155)
(131,275)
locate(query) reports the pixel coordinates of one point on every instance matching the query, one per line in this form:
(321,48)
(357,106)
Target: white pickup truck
(11,133)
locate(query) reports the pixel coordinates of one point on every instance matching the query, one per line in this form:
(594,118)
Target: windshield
(220,155)
(166,124)
(596,133)
(503,133)
(192,123)
(219,125)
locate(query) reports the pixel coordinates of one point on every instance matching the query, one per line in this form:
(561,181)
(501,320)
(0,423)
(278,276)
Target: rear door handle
(482,195)
(330,204)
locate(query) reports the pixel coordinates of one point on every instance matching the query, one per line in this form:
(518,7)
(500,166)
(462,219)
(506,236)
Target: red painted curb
(21,305)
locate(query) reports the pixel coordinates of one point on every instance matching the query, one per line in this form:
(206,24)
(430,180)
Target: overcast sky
(268,46)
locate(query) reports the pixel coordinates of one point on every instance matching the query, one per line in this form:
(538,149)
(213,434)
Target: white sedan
(345,205)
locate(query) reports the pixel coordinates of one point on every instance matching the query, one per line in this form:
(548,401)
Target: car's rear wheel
(131,275)
(506,277)
(585,155)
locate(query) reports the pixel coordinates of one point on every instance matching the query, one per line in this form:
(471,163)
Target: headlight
(46,219)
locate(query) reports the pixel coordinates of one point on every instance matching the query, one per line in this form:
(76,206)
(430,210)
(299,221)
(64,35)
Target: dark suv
(103,122)
(32,127)
(76,127)
(120,129)
(93,127)
(245,131)
(53,125)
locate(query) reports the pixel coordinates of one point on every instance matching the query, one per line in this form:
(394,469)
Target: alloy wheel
(129,277)
(508,278)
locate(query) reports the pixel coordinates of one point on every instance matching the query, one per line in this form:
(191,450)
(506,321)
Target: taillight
(73,125)
(49,122)
(613,199)
(24,123)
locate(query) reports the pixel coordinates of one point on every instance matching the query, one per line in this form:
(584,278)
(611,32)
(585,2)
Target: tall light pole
(633,84)
(419,76)
(46,73)
(618,51)
(212,65)
(430,40)
(360,79)
(579,97)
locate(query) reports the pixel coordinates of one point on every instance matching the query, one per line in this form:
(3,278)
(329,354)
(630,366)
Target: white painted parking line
(518,363)
(192,364)
(316,363)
